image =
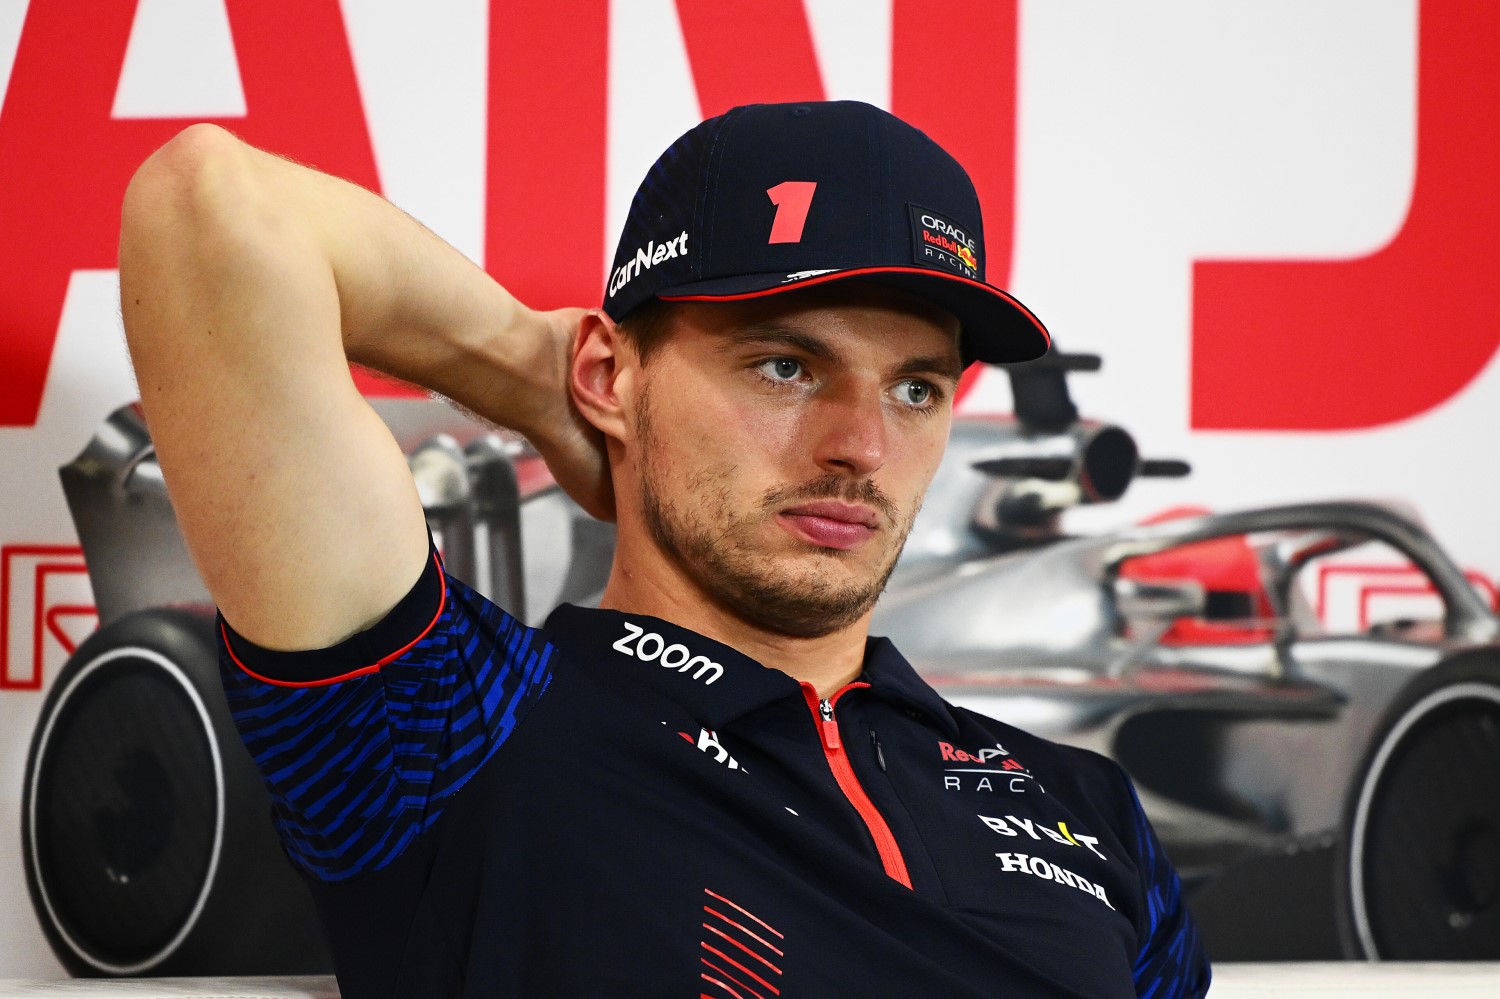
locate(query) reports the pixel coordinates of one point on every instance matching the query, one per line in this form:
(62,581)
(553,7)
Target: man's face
(785,445)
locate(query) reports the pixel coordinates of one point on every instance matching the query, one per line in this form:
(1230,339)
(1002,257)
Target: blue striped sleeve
(363,745)
(1170,961)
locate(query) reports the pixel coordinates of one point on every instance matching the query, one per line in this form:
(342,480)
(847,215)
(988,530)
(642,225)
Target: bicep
(294,498)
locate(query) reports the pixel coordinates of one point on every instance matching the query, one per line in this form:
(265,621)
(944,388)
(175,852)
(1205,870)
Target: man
(716,781)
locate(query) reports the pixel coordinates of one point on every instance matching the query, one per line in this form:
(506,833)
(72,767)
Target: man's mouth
(831,523)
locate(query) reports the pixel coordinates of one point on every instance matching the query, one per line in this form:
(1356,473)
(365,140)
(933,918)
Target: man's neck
(828,662)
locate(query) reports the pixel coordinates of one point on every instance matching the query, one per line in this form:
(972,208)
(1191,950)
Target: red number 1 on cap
(792,199)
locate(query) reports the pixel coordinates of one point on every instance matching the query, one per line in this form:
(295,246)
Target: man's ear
(603,374)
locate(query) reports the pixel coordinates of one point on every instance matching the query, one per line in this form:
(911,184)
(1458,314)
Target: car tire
(1418,866)
(145,828)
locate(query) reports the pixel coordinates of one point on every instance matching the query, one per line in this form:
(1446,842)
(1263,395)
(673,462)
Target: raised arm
(247,283)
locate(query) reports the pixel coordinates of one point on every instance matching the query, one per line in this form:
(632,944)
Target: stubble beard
(714,544)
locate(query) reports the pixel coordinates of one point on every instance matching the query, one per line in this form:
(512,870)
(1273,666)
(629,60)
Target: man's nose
(850,431)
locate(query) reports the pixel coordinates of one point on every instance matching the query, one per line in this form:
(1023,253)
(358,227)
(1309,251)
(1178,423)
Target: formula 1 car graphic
(1325,786)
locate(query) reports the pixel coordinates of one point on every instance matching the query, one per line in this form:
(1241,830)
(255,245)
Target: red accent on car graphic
(1225,565)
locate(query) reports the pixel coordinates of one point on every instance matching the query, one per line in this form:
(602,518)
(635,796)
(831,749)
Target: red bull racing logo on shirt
(990,768)
(985,755)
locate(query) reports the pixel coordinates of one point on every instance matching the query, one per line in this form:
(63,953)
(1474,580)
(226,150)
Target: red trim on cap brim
(863,271)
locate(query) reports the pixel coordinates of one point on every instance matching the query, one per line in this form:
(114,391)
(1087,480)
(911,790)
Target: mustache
(834,486)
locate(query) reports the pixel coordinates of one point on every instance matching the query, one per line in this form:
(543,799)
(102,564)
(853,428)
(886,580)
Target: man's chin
(773,580)
(802,621)
(802,605)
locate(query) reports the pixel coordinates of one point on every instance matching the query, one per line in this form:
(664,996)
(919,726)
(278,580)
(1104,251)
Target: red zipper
(843,772)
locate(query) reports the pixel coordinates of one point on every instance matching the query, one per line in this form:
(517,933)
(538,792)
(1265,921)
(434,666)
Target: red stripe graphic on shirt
(729,975)
(725,957)
(715,981)
(751,946)
(747,931)
(731,940)
(746,912)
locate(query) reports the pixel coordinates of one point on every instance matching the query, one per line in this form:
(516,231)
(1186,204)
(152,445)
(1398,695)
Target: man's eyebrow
(775,335)
(947,365)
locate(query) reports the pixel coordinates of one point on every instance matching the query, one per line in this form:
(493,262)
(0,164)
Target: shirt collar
(716,682)
(891,677)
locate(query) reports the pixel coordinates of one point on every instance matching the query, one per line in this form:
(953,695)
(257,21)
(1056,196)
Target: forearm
(407,303)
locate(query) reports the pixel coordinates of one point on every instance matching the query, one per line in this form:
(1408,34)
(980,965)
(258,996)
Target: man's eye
(781,369)
(914,393)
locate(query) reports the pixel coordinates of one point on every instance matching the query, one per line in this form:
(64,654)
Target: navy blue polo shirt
(615,806)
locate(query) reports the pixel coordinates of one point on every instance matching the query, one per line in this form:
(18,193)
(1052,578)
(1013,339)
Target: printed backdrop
(1277,220)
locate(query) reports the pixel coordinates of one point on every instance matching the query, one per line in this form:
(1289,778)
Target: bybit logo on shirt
(1012,826)
(648,646)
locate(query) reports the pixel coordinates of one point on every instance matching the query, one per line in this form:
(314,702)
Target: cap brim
(995,328)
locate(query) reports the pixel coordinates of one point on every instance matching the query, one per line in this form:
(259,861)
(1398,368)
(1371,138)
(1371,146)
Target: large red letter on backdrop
(758,53)
(1343,344)
(64,162)
(544,234)
(975,120)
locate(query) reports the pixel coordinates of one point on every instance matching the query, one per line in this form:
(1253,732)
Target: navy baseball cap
(769,198)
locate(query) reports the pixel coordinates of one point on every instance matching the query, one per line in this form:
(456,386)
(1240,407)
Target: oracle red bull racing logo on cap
(941,243)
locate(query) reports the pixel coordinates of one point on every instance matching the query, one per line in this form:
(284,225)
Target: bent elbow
(177,185)
(176,202)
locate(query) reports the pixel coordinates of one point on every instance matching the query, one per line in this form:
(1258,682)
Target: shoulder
(363,744)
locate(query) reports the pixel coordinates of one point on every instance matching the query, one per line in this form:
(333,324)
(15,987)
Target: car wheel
(1419,861)
(145,832)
